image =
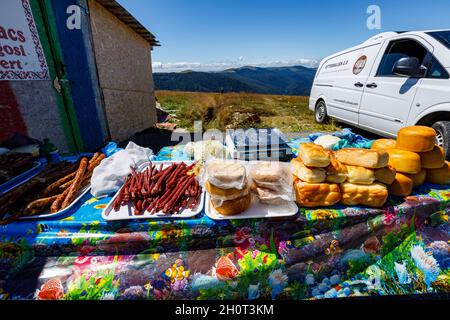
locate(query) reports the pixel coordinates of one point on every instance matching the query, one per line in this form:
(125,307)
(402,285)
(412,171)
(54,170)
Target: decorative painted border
(30,75)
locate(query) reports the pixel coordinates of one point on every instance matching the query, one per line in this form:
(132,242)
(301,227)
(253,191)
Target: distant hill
(295,80)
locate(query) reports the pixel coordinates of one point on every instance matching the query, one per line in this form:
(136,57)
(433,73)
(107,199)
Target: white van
(392,80)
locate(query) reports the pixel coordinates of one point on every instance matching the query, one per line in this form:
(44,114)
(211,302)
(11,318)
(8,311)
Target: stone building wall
(125,73)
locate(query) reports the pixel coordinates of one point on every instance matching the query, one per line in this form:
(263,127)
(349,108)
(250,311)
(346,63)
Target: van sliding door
(387,98)
(345,76)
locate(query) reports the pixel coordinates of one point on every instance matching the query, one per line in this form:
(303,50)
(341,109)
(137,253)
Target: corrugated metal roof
(123,15)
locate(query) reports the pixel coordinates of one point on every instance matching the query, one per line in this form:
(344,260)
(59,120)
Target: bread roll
(313,155)
(385,175)
(327,141)
(418,178)
(373,195)
(308,174)
(404,161)
(440,175)
(316,194)
(232,207)
(416,139)
(433,159)
(363,157)
(360,175)
(336,172)
(227,174)
(402,185)
(384,144)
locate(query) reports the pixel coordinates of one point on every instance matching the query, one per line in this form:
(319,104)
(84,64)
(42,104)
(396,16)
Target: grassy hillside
(240,110)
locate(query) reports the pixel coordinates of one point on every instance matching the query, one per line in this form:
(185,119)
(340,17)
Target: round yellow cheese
(418,178)
(416,139)
(433,159)
(440,175)
(402,185)
(383,144)
(404,161)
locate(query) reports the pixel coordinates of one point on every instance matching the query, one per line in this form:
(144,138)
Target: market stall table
(402,248)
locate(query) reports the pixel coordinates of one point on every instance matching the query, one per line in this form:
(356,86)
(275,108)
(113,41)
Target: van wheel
(320,113)
(443,136)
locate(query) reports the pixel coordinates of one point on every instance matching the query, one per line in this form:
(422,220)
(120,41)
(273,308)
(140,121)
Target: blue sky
(216,34)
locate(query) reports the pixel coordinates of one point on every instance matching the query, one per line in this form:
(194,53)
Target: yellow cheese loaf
(433,159)
(402,185)
(366,158)
(440,175)
(416,138)
(418,178)
(313,155)
(404,161)
(360,175)
(336,172)
(384,144)
(316,194)
(373,195)
(307,174)
(385,175)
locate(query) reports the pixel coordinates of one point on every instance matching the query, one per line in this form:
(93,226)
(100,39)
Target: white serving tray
(255,211)
(126,212)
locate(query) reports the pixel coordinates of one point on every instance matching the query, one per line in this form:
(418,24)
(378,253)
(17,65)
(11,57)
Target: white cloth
(327,141)
(112,172)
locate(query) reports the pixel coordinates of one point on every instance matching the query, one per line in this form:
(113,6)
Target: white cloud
(222,65)
(157,65)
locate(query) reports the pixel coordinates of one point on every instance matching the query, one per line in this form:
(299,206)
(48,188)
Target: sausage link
(58,184)
(76,183)
(39,203)
(56,205)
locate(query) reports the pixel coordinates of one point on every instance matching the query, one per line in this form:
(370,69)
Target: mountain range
(294,80)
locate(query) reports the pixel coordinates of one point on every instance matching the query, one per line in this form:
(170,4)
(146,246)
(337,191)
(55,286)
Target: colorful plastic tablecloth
(402,248)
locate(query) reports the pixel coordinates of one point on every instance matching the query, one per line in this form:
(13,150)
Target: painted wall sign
(21,54)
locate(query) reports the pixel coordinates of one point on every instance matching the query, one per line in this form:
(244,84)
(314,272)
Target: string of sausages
(156,189)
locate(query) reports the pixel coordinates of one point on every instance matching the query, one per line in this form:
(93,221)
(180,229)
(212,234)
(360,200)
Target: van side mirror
(410,67)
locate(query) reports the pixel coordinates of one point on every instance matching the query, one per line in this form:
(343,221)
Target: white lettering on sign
(374,20)
(21,54)
(74,19)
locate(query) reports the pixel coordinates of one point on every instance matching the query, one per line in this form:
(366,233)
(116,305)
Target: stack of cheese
(227,185)
(323,178)
(368,174)
(416,159)
(316,176)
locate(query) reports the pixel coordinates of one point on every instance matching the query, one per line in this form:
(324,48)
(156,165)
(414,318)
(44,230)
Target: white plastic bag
(205,174)
(271,181)
(204,150)
(112,172)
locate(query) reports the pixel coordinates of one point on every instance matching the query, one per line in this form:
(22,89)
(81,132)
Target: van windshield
(441,36)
